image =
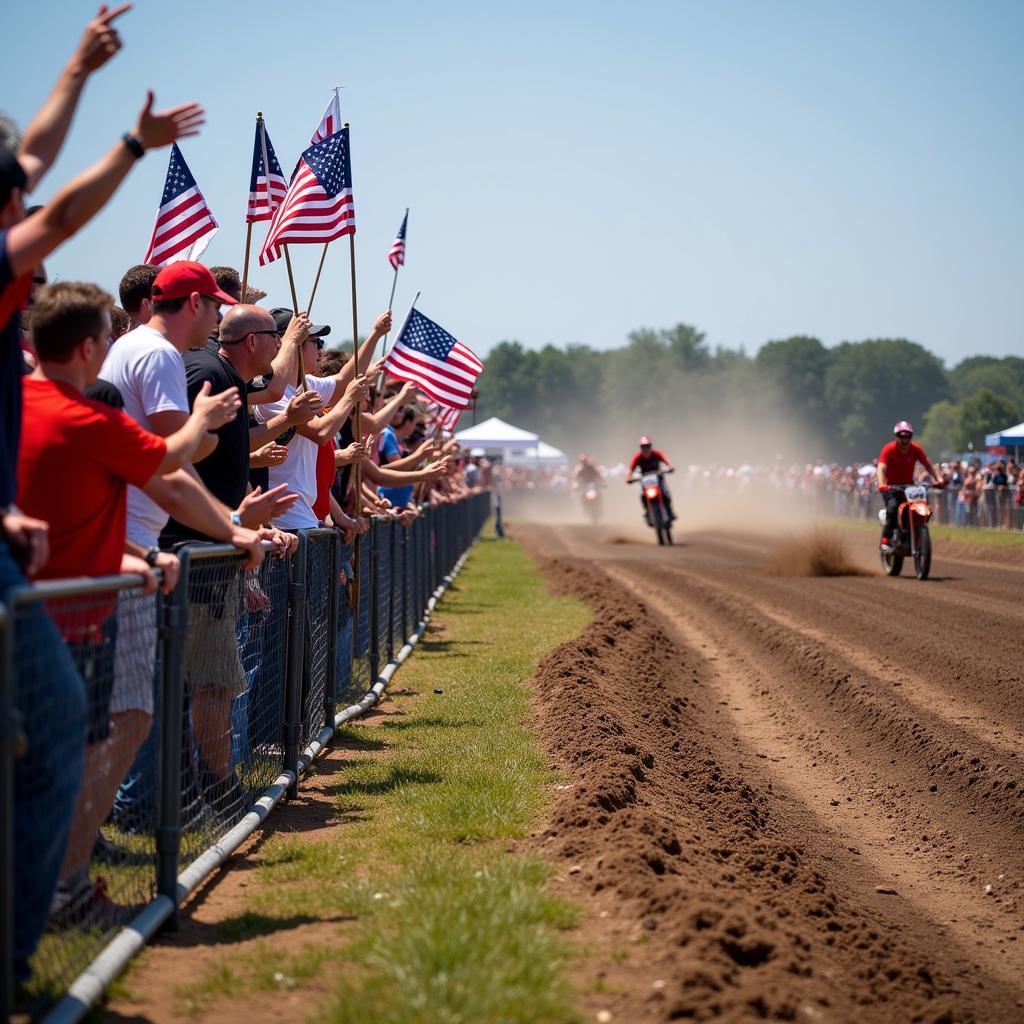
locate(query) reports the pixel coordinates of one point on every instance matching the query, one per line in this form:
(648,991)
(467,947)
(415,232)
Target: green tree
(871,384)
(795,369)
(940,422)
(981,414)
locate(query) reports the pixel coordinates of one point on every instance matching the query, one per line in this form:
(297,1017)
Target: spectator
(249,345)
(48,774)
(136,293)
(72,444)
(120,323)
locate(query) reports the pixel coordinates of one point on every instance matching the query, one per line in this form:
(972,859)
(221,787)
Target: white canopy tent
(541,454)
(498,439)
(1011,437)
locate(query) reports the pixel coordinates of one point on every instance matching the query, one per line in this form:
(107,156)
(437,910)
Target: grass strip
(960,534)
(450,924)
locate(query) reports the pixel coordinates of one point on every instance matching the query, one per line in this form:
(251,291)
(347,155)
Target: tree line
(795,399)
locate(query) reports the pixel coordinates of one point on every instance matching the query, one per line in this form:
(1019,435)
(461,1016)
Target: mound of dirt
(710,911)
(818,551)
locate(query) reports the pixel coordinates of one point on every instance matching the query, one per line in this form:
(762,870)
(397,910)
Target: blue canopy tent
(1011,437)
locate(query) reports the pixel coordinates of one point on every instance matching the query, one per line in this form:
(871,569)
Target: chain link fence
(201,707)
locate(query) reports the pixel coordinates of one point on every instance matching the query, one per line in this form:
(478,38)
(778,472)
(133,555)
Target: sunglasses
(319,342)
(904,437)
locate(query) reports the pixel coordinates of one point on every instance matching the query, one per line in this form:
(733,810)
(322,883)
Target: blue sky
(579,170)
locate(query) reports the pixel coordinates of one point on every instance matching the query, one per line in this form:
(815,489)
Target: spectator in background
(47,776)
(136,293)
(73,445)
(120,323)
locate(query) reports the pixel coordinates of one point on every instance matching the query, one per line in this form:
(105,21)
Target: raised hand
(258,508)
(303,406)
(382,325)
(156,129)
(218,409)
(357,389)
(297,331)
(100,40)
(271,454)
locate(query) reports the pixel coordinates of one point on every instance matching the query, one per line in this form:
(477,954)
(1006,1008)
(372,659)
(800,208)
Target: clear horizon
(578,172)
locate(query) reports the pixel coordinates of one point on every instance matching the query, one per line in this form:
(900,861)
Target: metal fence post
(10,740)
(172,634)
(392,527)
(292,729)
(333,612)
(404,534)
(374,603)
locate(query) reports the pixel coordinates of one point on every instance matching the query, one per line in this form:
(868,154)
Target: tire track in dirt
(707,749)
(911,855)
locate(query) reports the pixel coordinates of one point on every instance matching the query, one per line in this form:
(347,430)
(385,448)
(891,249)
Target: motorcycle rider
(650,460)
(585,472)
(896,464)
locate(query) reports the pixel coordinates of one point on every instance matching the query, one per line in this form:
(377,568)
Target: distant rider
(650,460)
(585,472)
(896,464)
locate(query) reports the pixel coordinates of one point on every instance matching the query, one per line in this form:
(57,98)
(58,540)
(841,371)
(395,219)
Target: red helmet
(645,442)
(903,427)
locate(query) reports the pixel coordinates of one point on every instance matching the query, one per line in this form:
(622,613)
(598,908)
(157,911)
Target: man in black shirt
(249,343)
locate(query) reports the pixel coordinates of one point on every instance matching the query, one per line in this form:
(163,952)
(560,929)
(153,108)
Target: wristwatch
(151,556)
(134,144)
(236,519)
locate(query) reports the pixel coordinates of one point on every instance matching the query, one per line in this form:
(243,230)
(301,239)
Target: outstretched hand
(156,129)
(100,40)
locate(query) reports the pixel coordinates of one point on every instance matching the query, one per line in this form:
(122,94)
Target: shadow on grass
(396,778)
(243,927)
(427,723)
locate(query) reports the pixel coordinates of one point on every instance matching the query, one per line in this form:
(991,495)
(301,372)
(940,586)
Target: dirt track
(790,798)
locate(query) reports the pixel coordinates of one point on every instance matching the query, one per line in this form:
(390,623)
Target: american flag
(441,367)
(261,204)
(318,206)
(396,256)
(330,123)
(184,224)
(444,416)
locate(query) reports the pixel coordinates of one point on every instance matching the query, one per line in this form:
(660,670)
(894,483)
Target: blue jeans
(50,697)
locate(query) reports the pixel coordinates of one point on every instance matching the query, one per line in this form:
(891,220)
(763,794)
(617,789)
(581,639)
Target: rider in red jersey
(896,464)
(649,460)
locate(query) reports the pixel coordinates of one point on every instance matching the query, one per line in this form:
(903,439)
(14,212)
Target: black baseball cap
(12,174)
(283,317)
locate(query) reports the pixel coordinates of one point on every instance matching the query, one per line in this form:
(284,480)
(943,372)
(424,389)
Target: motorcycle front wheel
(657,514)
(892,564)
(923,555)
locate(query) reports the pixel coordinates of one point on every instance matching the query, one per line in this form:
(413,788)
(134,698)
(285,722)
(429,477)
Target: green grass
(449,924)
(960,534)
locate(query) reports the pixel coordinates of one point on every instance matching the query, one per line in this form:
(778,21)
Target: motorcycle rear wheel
(923,556)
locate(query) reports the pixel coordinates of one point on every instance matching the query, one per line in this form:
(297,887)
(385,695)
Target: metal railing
(204,707)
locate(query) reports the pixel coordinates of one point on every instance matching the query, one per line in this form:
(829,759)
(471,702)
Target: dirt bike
(655,510)
(590,497)
(910,538)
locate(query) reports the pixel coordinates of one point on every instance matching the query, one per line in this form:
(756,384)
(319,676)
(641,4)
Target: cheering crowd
(186,413)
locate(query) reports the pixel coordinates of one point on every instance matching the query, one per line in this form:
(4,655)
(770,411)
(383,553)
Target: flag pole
(394,282)
(291,279)
(248,224)
(357,431)
(380,378)
(316,280)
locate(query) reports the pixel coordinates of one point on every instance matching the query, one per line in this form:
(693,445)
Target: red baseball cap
(179,280)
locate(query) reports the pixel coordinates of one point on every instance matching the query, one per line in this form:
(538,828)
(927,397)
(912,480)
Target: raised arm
(30,241)
(46,132)
(321,429)
(377,421)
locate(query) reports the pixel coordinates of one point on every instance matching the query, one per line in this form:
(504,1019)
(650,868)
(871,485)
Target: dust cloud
(818,551)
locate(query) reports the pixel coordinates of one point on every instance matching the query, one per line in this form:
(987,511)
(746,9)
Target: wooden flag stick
(357,430)
(245,265)
(316,280)
(291,279)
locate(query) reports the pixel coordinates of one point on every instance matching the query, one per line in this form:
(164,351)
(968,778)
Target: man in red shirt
(896,464)
(649,460)
(72,445)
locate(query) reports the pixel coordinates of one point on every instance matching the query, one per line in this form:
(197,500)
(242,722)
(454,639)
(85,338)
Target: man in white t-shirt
(338,394)
(147,368)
